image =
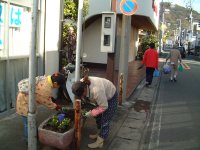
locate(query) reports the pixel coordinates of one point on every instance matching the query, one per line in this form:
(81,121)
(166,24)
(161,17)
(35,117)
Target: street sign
(128,7)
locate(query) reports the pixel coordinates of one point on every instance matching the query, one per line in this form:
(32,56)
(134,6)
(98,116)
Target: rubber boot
(94,136)
(97,144)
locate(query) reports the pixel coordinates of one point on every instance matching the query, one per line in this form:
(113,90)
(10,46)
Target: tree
(70,17)
(147,40)
(71,14)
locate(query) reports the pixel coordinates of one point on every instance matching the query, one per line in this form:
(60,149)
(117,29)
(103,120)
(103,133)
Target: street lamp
(163,12)
(191,23)
(179,43)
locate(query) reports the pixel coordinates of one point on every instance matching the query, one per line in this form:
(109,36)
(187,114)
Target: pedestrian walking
(174,56)
(102,92)
(150,60)
(43,95)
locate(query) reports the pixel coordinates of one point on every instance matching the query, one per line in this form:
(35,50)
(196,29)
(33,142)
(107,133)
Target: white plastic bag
(166,68)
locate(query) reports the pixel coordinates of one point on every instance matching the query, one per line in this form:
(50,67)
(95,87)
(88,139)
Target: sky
(195,3)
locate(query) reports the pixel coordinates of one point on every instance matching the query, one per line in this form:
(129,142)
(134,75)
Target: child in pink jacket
(43,95)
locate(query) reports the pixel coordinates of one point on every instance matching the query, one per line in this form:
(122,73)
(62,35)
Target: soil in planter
(61,125)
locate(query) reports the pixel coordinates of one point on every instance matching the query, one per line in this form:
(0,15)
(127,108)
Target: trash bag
(156,73)
(166,69)
(180,68)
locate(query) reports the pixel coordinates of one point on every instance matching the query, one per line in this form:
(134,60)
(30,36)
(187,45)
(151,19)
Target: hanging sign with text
(15,19)
(1,23)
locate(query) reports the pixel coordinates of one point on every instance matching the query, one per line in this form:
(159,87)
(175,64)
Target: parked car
(182,51)
(191,51)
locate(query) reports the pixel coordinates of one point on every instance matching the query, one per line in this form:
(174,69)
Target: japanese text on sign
(15,15)
(15,19)
(1,23)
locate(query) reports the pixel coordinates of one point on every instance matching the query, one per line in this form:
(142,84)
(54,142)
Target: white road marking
(155,132)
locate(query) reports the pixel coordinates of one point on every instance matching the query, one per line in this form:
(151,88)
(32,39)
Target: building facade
(15,38)
(145,18)
(15,44)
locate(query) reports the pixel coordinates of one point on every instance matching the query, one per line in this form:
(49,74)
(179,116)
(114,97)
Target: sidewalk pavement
(126,131)
(128,126)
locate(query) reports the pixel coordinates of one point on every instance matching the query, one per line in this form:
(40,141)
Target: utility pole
(77,74)
(179,43)
(32,130)
(161,27)
(191,22)
(124,50)
(78,43)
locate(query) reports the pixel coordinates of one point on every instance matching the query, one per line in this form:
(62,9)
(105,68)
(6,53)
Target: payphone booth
(108,32)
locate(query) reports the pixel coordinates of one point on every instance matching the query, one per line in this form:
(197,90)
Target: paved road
(176,123)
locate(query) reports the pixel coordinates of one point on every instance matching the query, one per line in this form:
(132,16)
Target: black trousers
(149,74)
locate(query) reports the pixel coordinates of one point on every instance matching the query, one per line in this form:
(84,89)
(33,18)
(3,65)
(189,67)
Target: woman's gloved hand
(87,114)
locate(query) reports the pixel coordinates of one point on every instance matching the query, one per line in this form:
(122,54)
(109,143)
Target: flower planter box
(55,139)
(60,139)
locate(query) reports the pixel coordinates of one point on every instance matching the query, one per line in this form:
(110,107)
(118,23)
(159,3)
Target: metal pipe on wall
(61,31)
(7,77)
(78,41)
(161,30)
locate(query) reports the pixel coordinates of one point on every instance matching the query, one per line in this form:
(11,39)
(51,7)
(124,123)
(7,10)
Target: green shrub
(147,40)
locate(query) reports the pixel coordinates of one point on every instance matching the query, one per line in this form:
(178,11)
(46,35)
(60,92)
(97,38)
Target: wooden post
(77,125)
(121,88)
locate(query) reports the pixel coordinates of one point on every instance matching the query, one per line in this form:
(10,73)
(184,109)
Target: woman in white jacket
(102,92)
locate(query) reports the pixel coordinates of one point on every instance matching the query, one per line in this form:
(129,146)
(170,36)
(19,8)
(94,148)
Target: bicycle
(69,73)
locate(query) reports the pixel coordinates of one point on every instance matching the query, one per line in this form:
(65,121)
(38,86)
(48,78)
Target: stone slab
(129,133)
(133,123)
(123,144)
